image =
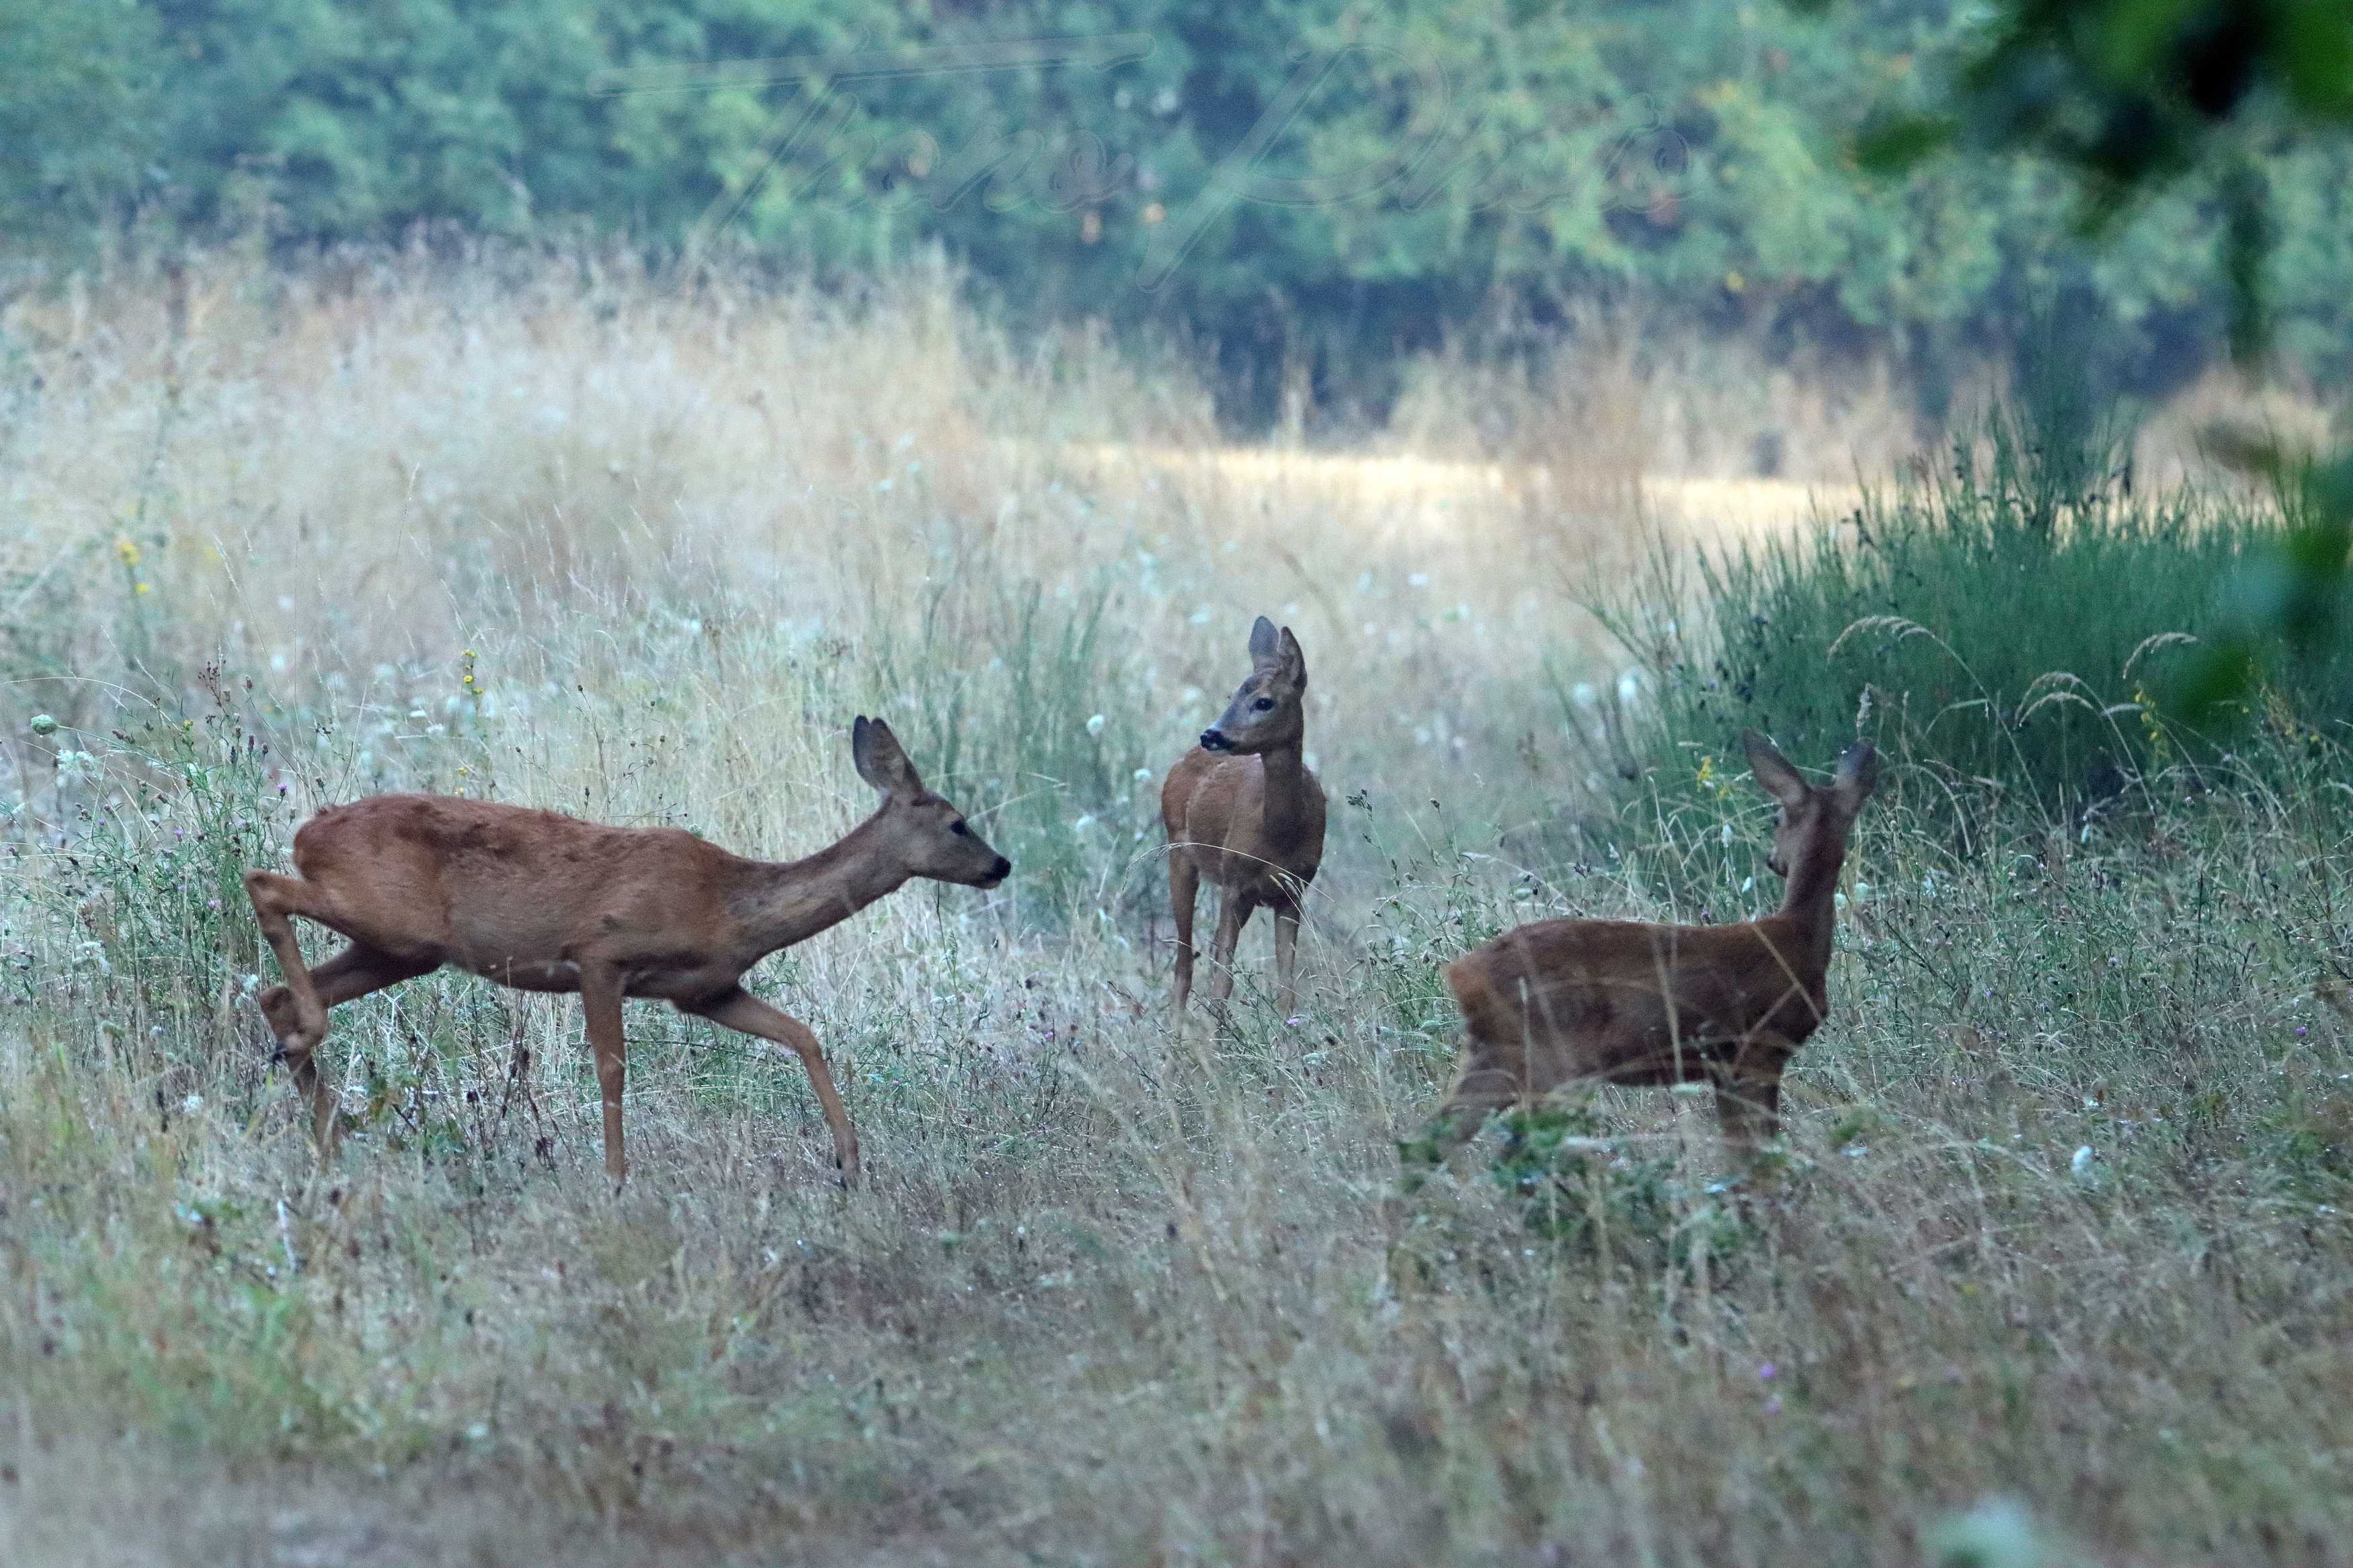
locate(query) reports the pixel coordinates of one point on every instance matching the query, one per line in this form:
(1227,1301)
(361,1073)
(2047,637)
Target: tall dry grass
(1613,415)
(1117,1294)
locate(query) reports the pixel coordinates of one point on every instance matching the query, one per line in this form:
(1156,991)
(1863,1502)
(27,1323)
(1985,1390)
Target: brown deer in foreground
(1244,810)
(1620,1002)
(543,902)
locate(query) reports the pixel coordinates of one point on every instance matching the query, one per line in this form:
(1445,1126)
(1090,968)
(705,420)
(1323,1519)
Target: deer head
(926,834)
(1264,714)
(1812,823)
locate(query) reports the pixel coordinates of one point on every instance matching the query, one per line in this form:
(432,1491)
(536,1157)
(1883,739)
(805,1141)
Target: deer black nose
(1214,740)
(1002,870)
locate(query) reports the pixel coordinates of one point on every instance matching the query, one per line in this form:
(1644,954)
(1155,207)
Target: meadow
(2053,1268)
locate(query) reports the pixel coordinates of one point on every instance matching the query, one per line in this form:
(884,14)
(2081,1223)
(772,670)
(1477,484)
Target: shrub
(1593,1196)
(1973,621)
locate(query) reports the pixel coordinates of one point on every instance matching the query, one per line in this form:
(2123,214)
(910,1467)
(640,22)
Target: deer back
(491,885)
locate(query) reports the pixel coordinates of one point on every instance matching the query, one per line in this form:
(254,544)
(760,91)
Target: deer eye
(1263,703)
(958,828)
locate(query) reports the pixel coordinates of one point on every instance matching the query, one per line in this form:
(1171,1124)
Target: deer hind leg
(1184,893)
(740,1010)
(600,998)
(1233,913)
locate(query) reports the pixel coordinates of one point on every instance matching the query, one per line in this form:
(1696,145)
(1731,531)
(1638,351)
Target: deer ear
(1774,773)
(880,760)
(1263,646)
(1292,662)
(1858,775)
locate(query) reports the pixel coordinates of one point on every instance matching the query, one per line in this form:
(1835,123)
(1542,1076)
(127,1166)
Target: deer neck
(1286,792)
(1810,901)
(790,901)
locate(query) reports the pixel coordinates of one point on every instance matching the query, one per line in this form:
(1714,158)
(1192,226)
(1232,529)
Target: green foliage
(2308,1142)
(1595,1197)
(2132,92)
(1434,910)
(77,94)
(1061,786)
(2136,95)
(173,814)
(2284,615)
(1989,620)
(1292,183)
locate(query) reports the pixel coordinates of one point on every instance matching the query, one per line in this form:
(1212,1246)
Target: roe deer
(1621,1002)
(1244,810)
(543,902)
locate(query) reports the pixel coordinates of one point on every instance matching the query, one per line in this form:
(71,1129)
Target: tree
(2140,95)
(77,83)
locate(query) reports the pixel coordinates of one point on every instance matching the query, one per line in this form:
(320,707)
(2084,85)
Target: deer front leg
(353,973)
(275,898)
(739,1009)
(1748,1096)
(1184,893)
(296,1011)
(1485,1089)
(1286,958)
(1233,913)
(600,998)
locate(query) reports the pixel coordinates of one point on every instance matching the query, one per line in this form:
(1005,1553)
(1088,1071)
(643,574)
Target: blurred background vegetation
(1725,162)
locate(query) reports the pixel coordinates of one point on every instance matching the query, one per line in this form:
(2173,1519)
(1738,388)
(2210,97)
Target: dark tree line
(1276,180)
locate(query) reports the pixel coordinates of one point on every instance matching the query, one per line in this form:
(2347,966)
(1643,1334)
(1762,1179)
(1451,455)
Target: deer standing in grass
(543,902)
(1620,1002)
(1244,811)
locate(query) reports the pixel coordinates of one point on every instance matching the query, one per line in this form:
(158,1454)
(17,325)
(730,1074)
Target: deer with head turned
(543,902)
(1620,1002)
(1244,811)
